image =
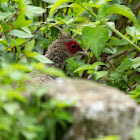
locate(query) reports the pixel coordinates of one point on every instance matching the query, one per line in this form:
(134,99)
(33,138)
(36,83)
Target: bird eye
(73,46)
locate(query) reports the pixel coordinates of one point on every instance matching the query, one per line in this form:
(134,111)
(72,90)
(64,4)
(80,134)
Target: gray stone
(99,110)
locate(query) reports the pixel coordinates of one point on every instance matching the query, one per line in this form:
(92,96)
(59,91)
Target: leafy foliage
(108,30)
(96,38)
(123,10)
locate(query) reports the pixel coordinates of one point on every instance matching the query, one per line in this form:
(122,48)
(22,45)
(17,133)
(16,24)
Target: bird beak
(83,52)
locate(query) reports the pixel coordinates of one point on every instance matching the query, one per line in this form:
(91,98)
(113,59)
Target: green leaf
(112,24)
(2,1)
(97,3)
(38,57)
(6,27)
(23,67)
(5,123)
(110,50)
(119,42)
(53,71)
(31,54)
(4,41)
(50,1)
(26,29)
(100,2)
(21,22)
(134,32)
(122,10)
(11,108)
(15,43)
(18,41)
(96,38)
(110,137)
(83,68)
(30,45)
(56,5)
(35,10)
(19,33)
(4,15)
(42,58)
(102,11)
(6,56)
(138,87)
(99,74)
(48,70)
(54,32)
(136,95)
(77,9)
(128,62)
(20,4)
(88,67)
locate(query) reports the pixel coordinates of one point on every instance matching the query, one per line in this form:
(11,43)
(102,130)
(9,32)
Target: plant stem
(34,33)
(43,15)
(110,27)
(122,36)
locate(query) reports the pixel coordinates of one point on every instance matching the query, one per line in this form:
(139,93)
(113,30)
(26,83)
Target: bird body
(60,50)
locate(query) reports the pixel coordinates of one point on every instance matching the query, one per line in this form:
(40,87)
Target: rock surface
(99,110)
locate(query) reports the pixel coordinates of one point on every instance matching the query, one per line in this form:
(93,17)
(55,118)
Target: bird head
(71,46)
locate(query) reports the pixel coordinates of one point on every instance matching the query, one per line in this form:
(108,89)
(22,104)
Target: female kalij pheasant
(60,50)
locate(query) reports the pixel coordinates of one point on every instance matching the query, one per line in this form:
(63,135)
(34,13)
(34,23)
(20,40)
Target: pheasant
(60,50)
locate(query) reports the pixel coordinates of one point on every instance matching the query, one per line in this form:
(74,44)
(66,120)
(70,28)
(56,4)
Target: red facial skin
(73,47)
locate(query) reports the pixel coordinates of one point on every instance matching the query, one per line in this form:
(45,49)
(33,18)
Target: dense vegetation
(108,30)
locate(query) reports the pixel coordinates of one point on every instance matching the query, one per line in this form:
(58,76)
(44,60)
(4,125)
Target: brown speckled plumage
(58,51)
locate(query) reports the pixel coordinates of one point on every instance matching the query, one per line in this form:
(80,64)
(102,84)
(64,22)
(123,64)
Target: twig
(47,11)
(20,57)
(32,34)
(43,15)
(67,9)
(118,54)
(137,54)
(123,23)
(117,24)
(17,12)
(118,21)
(117,60)
(47,14)
(43,114)
(111,64)
(136,13)
(131,88)
(93,60)
(39,18)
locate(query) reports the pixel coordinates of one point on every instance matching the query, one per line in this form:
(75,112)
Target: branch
(17,12)
(34,33)
(43,15)
(111,64)
(67,9)
(132,87)
(118,54)
(117,60)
